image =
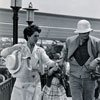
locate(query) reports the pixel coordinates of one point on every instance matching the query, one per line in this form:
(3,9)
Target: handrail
(6,89)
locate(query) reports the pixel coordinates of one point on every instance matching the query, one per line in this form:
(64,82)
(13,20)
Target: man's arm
(96,61)
(64,52)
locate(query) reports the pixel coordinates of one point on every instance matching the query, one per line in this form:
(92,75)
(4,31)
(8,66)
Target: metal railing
(6,89)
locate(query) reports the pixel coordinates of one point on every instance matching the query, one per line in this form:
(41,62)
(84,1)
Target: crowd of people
(69,68)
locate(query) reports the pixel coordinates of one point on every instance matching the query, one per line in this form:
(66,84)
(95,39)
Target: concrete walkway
(69,98)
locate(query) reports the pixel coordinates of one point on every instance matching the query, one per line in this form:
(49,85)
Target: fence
(6,89)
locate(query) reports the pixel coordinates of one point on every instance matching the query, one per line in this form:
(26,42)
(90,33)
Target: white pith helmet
(83,26)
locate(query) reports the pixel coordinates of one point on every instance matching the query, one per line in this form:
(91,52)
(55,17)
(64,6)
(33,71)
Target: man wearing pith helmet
(80,50)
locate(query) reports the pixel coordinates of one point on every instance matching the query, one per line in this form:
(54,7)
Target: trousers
(82,88)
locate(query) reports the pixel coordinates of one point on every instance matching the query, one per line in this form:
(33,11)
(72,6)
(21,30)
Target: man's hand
(93,64)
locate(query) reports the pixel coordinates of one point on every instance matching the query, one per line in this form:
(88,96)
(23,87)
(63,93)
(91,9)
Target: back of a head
(28,31)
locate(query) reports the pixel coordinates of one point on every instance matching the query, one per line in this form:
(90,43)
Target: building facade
(55,27)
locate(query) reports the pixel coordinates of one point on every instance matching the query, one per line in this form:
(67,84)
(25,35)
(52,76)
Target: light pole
(30,14)
(15,5)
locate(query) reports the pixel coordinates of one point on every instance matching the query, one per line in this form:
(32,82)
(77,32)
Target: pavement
(69,98)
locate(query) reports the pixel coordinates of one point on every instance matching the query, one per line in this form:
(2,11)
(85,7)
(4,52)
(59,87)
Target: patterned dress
(54,91)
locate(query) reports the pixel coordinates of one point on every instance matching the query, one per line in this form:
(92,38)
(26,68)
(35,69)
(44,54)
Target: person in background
(80,50)
(95,64)
(28,59)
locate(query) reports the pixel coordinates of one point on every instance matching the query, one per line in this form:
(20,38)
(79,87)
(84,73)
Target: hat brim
(83,31)
(12,61)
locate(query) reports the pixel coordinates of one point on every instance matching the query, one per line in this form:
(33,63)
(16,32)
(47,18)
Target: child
(54,89)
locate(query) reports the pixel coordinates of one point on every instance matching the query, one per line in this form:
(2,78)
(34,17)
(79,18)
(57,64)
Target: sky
(84,8)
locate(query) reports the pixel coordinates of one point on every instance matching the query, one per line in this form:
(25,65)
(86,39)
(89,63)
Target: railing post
(6,89)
